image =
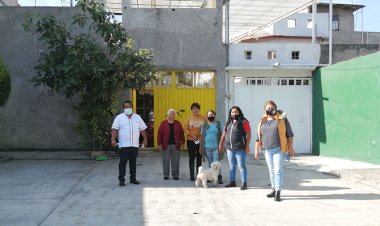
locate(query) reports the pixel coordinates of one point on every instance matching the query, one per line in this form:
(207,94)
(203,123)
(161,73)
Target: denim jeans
(275,162)
(237,156)
(212,155)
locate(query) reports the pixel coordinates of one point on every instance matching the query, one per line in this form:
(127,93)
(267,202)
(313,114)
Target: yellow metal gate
(178,90)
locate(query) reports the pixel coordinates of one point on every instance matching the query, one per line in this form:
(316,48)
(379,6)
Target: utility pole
(330,32)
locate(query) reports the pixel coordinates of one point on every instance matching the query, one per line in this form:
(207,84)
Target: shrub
(94,65)
(5,83)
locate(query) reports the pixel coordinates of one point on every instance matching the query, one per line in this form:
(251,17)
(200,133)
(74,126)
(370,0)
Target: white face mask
(128,111)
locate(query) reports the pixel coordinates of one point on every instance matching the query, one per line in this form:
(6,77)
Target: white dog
(208,174)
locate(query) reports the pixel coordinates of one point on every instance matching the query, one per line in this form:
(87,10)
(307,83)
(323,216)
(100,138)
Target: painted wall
(346,108)
(301,29)
(309,54)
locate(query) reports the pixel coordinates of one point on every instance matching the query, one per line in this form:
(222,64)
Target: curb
(354,178)
(4,158)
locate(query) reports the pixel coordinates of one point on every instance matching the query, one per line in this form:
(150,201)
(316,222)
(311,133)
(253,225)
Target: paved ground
(85,192)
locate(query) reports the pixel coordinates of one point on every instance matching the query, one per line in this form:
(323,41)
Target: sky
(371,15)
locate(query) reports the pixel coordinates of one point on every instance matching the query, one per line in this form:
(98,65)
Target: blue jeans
(212,155)
(237,156)
(275,162)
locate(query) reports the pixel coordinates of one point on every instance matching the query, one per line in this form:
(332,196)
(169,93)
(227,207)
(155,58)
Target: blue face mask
(128,111)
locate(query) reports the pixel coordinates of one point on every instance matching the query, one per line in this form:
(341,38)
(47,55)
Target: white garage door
(293,95)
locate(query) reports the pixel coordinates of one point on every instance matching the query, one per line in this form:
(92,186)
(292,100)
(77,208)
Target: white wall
(322,22)
(309,54)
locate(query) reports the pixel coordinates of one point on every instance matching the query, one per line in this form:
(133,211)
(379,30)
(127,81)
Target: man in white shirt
(127,127)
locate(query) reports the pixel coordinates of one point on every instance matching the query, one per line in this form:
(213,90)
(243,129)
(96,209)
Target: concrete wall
(372,37)
(188,39)
(32,119)
(346,33)
(345,110)
(345,52)
(8,3)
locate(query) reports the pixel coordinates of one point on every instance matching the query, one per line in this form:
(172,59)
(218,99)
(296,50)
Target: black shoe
(231,184)
(166,178)
(121,183)
(244,186)
(271,195)
(134,182)
(175,178)
(277,195)
(192,178)
(220,179)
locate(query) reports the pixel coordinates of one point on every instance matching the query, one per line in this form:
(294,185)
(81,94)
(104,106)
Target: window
(309,24)
(335,23)
(271,55)
(190,79)
(295,55)
(292,23)
(248,55)
(163,79)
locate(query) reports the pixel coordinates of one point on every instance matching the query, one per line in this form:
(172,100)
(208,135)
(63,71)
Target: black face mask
(271,112)
(235,117)
(211,118)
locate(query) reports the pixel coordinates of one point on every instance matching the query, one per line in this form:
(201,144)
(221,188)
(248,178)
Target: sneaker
(166,178)
(121,183)
(231,184)
(175,178)
(134,182)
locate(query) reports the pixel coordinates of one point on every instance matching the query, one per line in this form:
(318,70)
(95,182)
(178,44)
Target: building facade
(281,72)
(188,51)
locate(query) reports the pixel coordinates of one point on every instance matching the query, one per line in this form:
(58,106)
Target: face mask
(235,117)
(271,112)
(128,111)
(211,118)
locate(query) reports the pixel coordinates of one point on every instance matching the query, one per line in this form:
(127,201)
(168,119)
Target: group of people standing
(205,136)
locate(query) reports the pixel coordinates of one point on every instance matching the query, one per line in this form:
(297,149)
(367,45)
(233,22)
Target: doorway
(144,108)
(174,90)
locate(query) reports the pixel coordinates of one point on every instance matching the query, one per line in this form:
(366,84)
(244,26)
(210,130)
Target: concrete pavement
(50,191)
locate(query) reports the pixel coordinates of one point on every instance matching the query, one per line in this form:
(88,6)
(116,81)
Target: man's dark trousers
(129,153)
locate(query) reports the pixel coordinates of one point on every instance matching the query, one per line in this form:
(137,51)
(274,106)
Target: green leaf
(94,66)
